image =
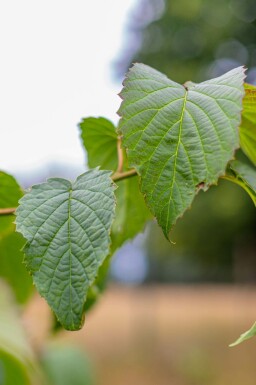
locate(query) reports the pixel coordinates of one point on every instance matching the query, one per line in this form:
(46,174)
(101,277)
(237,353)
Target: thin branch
(123,175)
(120,156)
(116,177)
(9,210)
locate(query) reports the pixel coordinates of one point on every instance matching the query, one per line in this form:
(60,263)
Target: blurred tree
(196,40)
(192,40)
(214,241)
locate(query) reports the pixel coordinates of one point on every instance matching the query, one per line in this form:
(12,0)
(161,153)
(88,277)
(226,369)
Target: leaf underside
(67,230)
(179,138)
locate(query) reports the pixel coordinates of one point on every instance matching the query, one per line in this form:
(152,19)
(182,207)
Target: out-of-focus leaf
(100,140)
(11,267)
(179,138)
(10,191)
(17,361)
(248,124)
(131,212)
(66,365)
(245,336)
(98,285)
(245,172)
(67,228)
(245,176)
(12,371)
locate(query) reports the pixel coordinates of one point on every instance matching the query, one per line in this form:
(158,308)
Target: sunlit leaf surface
(179,137)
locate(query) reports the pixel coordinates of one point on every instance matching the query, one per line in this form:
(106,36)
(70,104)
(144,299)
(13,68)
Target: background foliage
(198,40)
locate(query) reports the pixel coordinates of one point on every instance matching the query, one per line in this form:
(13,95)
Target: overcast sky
(55,66)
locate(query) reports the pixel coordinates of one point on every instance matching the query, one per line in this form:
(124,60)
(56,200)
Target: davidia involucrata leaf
(67,230)
(178,137)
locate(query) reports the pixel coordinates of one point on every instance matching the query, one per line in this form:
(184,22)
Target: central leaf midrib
(70,253)
(163,138)
(175,157)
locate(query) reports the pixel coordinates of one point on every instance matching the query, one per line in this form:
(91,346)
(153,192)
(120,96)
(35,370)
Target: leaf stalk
(6,211)
(120,156)
(123,175)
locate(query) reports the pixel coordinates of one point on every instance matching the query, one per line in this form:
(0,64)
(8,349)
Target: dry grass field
(164,335)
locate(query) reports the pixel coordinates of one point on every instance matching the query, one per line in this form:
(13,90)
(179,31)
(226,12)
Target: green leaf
(246,172)
(17,361)
(132,213)
(11,267)
(100,140)
(94,291)
(248,124)
(12,370)
(98,286)
(244,176)
(179,138)
(131,217)
(65,365)
(10,191)
(245,336)
(67,230)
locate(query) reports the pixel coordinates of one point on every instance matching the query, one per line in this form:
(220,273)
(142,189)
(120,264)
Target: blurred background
(171,309)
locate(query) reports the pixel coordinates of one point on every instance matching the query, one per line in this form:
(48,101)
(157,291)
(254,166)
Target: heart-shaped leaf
(67,230)
(179,137)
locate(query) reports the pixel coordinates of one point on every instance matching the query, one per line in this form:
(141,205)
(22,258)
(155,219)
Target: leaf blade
(172,142)
(67,230)
(100,140)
